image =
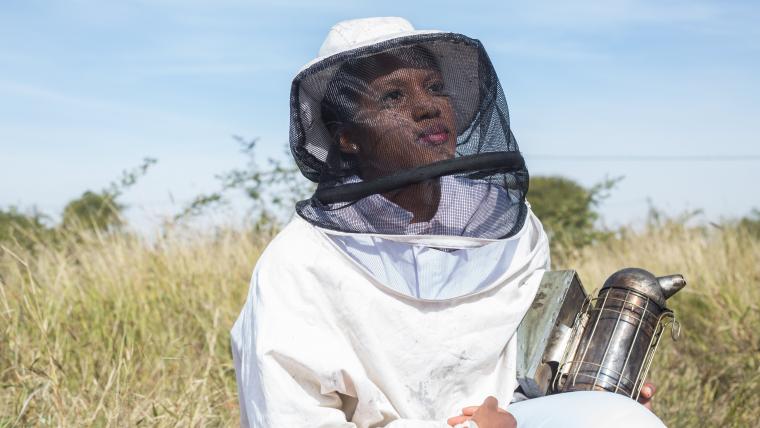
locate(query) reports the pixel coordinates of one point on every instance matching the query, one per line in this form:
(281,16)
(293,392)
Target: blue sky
(89,88)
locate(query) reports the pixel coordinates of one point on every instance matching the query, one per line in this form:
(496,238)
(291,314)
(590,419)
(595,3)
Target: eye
(436,88)
(390,97)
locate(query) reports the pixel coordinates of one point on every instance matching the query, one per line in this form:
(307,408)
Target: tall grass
(711,375)
(114,330)
(111,330)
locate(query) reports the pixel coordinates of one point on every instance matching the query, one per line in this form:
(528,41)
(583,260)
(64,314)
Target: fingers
(648,390)
(491,403)
(457,420)
(470,410)
(490,415)
(646,394)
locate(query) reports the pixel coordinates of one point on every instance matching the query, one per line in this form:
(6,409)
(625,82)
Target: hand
(646,395)
(487,415)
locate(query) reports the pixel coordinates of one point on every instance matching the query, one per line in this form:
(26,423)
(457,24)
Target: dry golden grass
(113,330)
(711,375)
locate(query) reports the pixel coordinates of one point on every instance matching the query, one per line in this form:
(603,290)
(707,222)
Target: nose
(425,107)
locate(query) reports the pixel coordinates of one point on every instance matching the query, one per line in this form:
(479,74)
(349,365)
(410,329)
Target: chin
(447,152)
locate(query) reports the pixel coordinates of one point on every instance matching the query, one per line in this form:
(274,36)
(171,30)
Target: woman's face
(405,120)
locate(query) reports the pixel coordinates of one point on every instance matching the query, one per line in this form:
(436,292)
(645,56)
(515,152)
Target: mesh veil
(399,106)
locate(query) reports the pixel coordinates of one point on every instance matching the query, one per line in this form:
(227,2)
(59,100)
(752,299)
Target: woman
(398,307)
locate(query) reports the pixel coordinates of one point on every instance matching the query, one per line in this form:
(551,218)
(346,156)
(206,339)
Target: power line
(647,158)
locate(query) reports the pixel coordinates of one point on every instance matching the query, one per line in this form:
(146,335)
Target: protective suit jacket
(322,343)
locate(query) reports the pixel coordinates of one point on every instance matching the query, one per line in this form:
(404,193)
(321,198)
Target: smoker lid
(639,280)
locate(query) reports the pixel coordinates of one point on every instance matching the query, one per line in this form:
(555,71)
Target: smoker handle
(483,163)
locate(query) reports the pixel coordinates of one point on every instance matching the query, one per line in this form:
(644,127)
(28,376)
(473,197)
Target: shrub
(568,211)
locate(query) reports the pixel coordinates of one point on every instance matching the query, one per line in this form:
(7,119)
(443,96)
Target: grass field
(113,330)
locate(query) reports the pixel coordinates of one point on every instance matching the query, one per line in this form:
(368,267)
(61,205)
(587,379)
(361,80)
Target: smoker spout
(671,284)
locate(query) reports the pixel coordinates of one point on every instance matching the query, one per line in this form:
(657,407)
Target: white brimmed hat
(460,60)
(356,33)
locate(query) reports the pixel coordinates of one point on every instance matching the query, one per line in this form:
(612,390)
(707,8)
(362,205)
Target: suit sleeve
(288,360)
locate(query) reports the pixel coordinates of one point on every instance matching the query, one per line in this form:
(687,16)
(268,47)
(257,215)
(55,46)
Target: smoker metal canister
(616,333)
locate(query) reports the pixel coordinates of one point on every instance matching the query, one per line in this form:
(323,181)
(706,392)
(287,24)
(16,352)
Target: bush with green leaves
(93,211)
(272,190)
(750,224)
(101,210)
(568,210)
(22,229)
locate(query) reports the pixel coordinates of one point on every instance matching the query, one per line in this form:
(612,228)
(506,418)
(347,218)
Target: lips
(433,135)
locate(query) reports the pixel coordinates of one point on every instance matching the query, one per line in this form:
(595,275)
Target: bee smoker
(572,342)
(617,333)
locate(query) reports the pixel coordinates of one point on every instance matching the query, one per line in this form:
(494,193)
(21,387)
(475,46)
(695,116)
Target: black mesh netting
(396,107)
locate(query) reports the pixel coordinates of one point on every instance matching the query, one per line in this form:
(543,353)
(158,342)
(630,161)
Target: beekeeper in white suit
(395,303)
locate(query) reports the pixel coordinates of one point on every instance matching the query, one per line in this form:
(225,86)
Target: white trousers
(583,409)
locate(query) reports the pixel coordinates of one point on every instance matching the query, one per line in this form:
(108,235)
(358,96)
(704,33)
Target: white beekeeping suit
(393,296)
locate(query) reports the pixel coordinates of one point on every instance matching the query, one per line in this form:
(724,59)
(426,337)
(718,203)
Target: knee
(586,409)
